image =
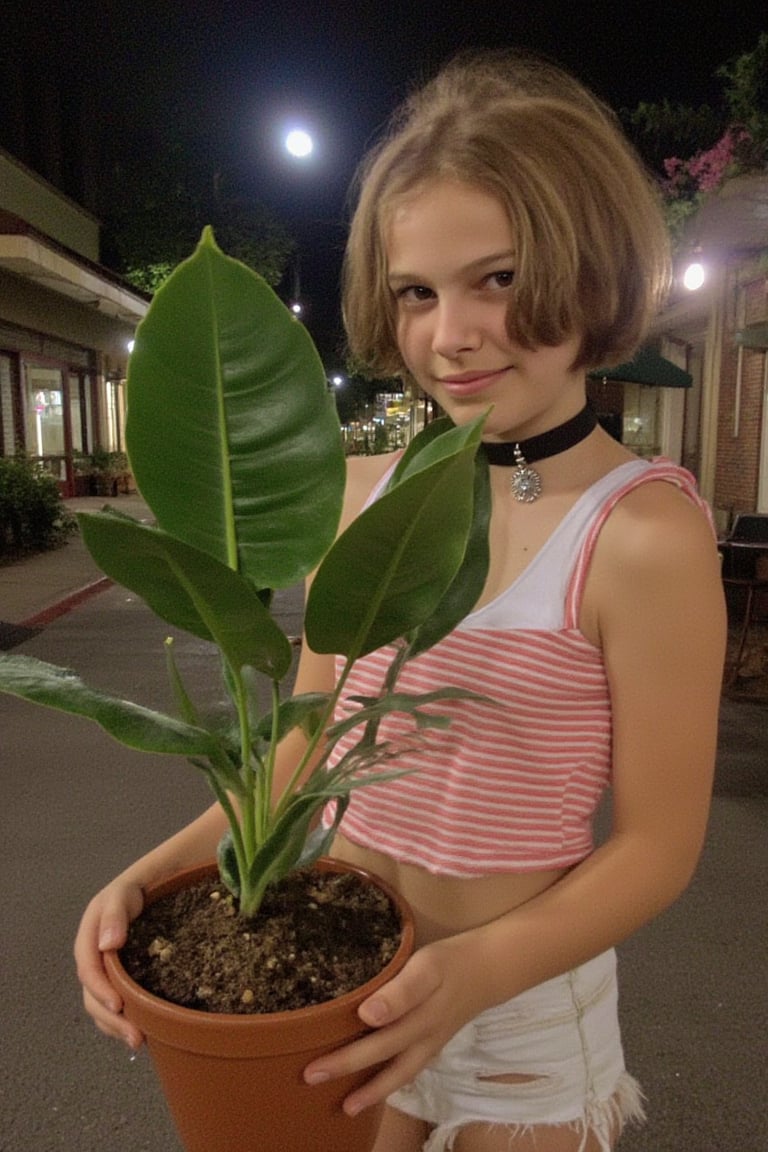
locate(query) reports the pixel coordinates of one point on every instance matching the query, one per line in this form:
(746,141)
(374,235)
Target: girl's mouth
(470,383)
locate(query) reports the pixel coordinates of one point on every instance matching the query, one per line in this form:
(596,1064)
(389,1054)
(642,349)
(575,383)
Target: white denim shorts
(565,1033)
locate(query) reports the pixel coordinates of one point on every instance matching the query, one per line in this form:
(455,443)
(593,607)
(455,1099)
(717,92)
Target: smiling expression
(451,264)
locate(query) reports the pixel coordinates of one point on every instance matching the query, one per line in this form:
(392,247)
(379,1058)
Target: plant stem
(249,777)
(268,767)
(224,801)
(319,733)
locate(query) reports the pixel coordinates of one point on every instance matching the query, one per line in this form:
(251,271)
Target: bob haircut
(592,252)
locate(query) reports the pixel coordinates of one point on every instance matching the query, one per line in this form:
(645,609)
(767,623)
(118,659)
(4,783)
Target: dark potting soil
(316,936)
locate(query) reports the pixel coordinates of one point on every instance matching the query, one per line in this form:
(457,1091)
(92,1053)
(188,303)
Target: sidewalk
(36,590)
(693,1003)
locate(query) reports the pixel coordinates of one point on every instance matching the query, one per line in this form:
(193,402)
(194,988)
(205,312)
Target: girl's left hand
(414,1016)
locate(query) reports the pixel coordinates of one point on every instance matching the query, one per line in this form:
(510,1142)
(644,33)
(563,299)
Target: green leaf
(189,589)
(129,723)
(319,840)
(419,453)
(467,585)
(232,433)
(281,852)
(396,560)
(183,700)
(302,711)
(377,707)
(226,858)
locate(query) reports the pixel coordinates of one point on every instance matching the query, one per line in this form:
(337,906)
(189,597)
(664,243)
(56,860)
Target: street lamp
(694,276)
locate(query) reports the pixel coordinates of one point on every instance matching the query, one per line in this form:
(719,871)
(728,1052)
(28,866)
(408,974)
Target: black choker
(525,482)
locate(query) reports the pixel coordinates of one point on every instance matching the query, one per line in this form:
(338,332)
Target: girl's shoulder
(659,514)
(371,467)
(364,473)
(652,555)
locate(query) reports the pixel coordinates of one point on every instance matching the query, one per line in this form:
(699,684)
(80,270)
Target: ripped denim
(564,1034)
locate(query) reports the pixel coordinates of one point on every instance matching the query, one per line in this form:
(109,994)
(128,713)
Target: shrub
(32,515)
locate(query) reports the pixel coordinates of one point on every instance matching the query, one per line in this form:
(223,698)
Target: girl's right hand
(104,926)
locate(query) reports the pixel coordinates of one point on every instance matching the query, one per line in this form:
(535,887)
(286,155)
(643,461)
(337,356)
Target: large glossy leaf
(468,583)
(389,570)
(129,723)
(432,443)
(464,590)
(232,433)
(189,589)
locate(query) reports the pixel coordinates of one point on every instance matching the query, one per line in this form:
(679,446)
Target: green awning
(649,368)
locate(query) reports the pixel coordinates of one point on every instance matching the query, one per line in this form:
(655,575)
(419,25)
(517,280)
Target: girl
(505,242)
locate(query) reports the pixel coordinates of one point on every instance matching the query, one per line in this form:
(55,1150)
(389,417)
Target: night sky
(226,76)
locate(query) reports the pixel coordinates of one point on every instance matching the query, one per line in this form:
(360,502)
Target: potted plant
(109,471)
(235,445)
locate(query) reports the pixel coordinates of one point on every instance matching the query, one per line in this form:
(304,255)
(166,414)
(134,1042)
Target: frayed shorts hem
(550,1057)
(604,1119)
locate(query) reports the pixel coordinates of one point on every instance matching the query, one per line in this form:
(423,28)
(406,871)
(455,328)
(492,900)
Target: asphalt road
(76,808)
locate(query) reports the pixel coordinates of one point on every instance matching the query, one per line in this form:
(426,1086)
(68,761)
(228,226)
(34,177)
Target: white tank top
(513,783)
(537,598)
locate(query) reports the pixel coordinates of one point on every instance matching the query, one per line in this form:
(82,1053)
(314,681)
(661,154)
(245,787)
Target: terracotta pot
(234,1083)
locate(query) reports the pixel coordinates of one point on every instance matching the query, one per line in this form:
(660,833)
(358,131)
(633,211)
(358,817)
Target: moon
(299,143)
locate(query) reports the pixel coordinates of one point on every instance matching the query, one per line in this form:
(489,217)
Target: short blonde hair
(592,254)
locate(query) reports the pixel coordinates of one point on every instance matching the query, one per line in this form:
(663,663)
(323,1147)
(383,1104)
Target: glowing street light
(694,276)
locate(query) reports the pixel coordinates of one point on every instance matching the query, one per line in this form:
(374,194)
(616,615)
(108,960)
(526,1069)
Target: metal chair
(745,566)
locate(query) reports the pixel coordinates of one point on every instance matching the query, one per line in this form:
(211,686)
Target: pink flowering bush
(706,170)
(688,182)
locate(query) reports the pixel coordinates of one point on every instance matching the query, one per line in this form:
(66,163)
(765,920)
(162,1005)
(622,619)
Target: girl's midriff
(446,905)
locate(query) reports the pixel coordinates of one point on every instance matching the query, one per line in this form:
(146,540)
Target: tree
(746,97)
(666,129)
(697,149)
(156,208)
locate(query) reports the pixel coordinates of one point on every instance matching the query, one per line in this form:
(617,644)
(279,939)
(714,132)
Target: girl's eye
(501,279)
(415,294)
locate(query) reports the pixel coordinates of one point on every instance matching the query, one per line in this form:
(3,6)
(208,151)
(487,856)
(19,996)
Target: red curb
(40,619)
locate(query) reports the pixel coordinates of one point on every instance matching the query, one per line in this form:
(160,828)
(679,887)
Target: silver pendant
(525,482)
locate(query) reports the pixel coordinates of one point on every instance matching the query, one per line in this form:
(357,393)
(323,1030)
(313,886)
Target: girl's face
(451,267)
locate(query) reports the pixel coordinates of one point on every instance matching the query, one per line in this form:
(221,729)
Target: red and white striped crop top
(510,786)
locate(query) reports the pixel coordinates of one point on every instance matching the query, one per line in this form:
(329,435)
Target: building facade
(66,324)
(715,328)
(718,331)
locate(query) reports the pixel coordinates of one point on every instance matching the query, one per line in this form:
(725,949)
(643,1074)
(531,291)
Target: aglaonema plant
(235,445)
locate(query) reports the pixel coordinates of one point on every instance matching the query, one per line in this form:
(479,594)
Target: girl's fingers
(112,1024)
(104,927)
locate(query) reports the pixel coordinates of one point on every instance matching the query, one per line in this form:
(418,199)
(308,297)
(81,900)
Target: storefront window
(115,415)
(44,411)
(77,426)
(640,431)
(81,419)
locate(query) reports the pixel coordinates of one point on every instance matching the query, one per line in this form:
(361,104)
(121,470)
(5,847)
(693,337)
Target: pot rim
(166,1012)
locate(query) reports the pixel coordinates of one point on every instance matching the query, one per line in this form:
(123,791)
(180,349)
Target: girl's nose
(455,331)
